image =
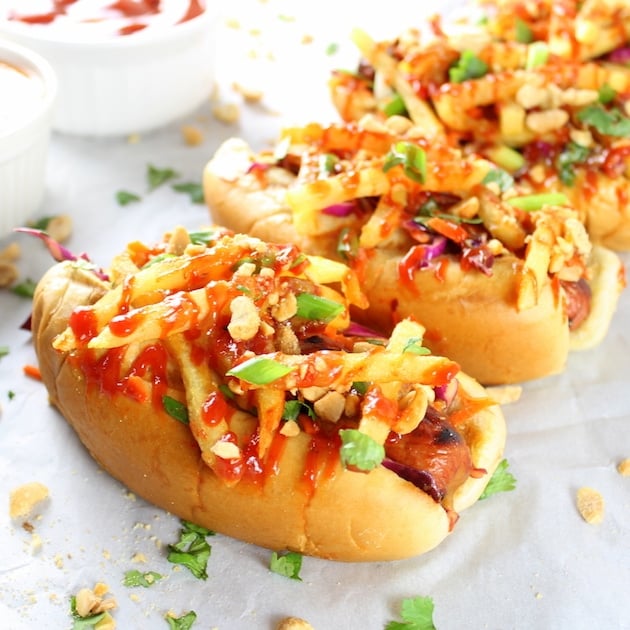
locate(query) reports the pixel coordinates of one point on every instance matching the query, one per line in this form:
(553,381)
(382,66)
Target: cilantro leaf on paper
(192,550)
(25,289)
(184,622)
(83,623)
(417,614)
(4,351)
(288,564)
(158,176)
(192,189)
(137,578)
(502,480)
(124,197)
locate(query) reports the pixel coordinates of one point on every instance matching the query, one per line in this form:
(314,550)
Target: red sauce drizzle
(83,324)
(214,409)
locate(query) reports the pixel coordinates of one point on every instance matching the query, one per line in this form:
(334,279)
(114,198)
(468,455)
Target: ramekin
(121,85)
(24,145)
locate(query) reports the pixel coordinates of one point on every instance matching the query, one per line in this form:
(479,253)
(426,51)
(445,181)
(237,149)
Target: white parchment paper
(518,560)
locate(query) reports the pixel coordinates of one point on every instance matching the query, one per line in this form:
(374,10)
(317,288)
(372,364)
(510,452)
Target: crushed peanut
(623,467)
(93,602)
(290,429)
(245,320)
(546,121)
(11,252)
(505,394)
(249,94)
(590,505)
(226,450)
(24,499)
(60,227)
(330,407)
(294,623)
(8,273)
(192,136)
(228,113)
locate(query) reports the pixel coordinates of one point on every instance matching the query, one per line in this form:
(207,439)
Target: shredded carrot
(450,229)
(32,371)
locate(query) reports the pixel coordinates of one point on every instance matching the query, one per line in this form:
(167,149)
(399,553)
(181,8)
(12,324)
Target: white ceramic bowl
(28,89)
(112,84)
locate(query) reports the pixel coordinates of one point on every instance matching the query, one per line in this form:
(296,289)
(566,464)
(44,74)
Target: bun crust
(158,459)
(470,317)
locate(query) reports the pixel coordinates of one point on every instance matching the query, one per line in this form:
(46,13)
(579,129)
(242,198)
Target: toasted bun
(158,459)
(470,317)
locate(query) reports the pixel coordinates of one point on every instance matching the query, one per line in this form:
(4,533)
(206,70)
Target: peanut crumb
(24,499)
(192,135)
(623,467)
(133,138)
(138,557)
(590,504)
(227,113)
(294,623)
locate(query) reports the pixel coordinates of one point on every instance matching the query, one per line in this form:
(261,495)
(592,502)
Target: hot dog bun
(473,317)
(166,462)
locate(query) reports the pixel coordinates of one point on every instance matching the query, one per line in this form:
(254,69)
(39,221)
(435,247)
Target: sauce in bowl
(23,95)
(102,17)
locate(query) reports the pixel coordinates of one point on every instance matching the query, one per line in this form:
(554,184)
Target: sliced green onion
(260,371)
(529,203)
(411,157)
(537,55)
(468,66)
(175,409)
(315,307)
(507,158)
(606,94)
(395,107)
(327,163)
(523,32)
(414,346)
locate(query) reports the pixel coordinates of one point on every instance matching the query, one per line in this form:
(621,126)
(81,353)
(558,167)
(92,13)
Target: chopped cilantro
(158,176)
(4,350)
(192,189)
(417,614)
(502,480)
(359,451)
(83,623)
(573,154)
(41,224)
(184,622)
(500,177)
(468,66)
(610,122)
(124,197)
(192,550)
(332,48)
(293,409)
(136,578)
(288,564)
(10,394)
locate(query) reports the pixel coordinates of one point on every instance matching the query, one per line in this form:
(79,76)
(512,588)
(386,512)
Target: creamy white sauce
(21,96)
(88,19)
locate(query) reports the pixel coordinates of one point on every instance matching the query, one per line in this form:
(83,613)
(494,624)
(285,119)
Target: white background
(523,559)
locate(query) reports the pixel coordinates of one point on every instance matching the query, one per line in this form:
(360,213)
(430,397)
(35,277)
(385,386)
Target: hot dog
(505,284)
(544,93)
(220,378)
